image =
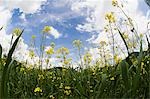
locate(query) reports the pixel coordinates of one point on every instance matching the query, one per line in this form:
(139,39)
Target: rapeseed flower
(37,89)
(17,31)
(110,17)
(47,29)
(67,92)
(114,2)
(49,50)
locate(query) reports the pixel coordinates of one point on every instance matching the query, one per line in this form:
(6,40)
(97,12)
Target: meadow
(116,78)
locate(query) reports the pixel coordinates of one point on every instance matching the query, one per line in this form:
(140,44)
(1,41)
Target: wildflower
(37,89)
(40,77)
(31,53)
(114,2)
(63,50)
(22,69)
(67,87)
(67,92)
(47,29)
(52,97)
(91,91)
(33,36)
(77,43)
(117,59)
(110,17)
(16,31)
(49,51)
(112,78)
(87,57)
(61,85)
(102,43)
(52,44)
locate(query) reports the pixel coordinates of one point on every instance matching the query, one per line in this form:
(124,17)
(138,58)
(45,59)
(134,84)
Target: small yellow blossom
(63,50)
(50,51)
(52,97)
(22,69)
(91,91)
(114,2)
(33,36)
(31,53)
(110,17)
(47,29)
(67,87)
(112,78)
(37,89)
(87,58)
(40,77)
(61,85)
(67,92)
(16,31)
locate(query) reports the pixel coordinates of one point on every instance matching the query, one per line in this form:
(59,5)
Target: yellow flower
(102,43)
(52,97)
(91,91)
(77,43)
(110,17)
(16,31)
(67,87)
(41,77)
(22,69)
(47,29)
(114,2)
(63,50)
(31,53)
(61,85)
(37,89)
(50,51)
(117,59)
(112,78)
(67,92)
(87,57)
(33,36)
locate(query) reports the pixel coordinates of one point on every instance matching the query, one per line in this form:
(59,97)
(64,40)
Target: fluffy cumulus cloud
(27,6)
(95,21)
(6,8)
(55,33)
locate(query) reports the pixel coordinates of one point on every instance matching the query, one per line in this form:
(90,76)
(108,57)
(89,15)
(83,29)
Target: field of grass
(127,78)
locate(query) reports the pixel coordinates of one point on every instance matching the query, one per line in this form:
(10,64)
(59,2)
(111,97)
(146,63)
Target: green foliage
(6,69)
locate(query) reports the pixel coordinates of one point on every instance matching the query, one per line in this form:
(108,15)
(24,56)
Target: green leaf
(124,72)
(5,74)
(0,51)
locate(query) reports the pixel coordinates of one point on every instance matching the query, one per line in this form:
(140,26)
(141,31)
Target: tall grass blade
(0,51)
(125,74)
(5,73)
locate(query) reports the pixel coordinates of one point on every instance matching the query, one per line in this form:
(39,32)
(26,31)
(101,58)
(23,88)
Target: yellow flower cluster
(63,50)
(114,2)
(16,31)
(67,90)
(47,29)
(37,89)
(87,58)
(110,17)
(50,51)
(52,97)
(31,54)
(40,77)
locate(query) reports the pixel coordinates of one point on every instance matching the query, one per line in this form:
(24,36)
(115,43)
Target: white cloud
(95,21)
(6,7)
(55,33)
(27,6)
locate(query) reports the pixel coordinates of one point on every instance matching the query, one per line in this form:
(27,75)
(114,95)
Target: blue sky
(65,24)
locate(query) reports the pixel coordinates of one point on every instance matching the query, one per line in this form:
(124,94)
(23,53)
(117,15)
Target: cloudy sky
(70,19)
